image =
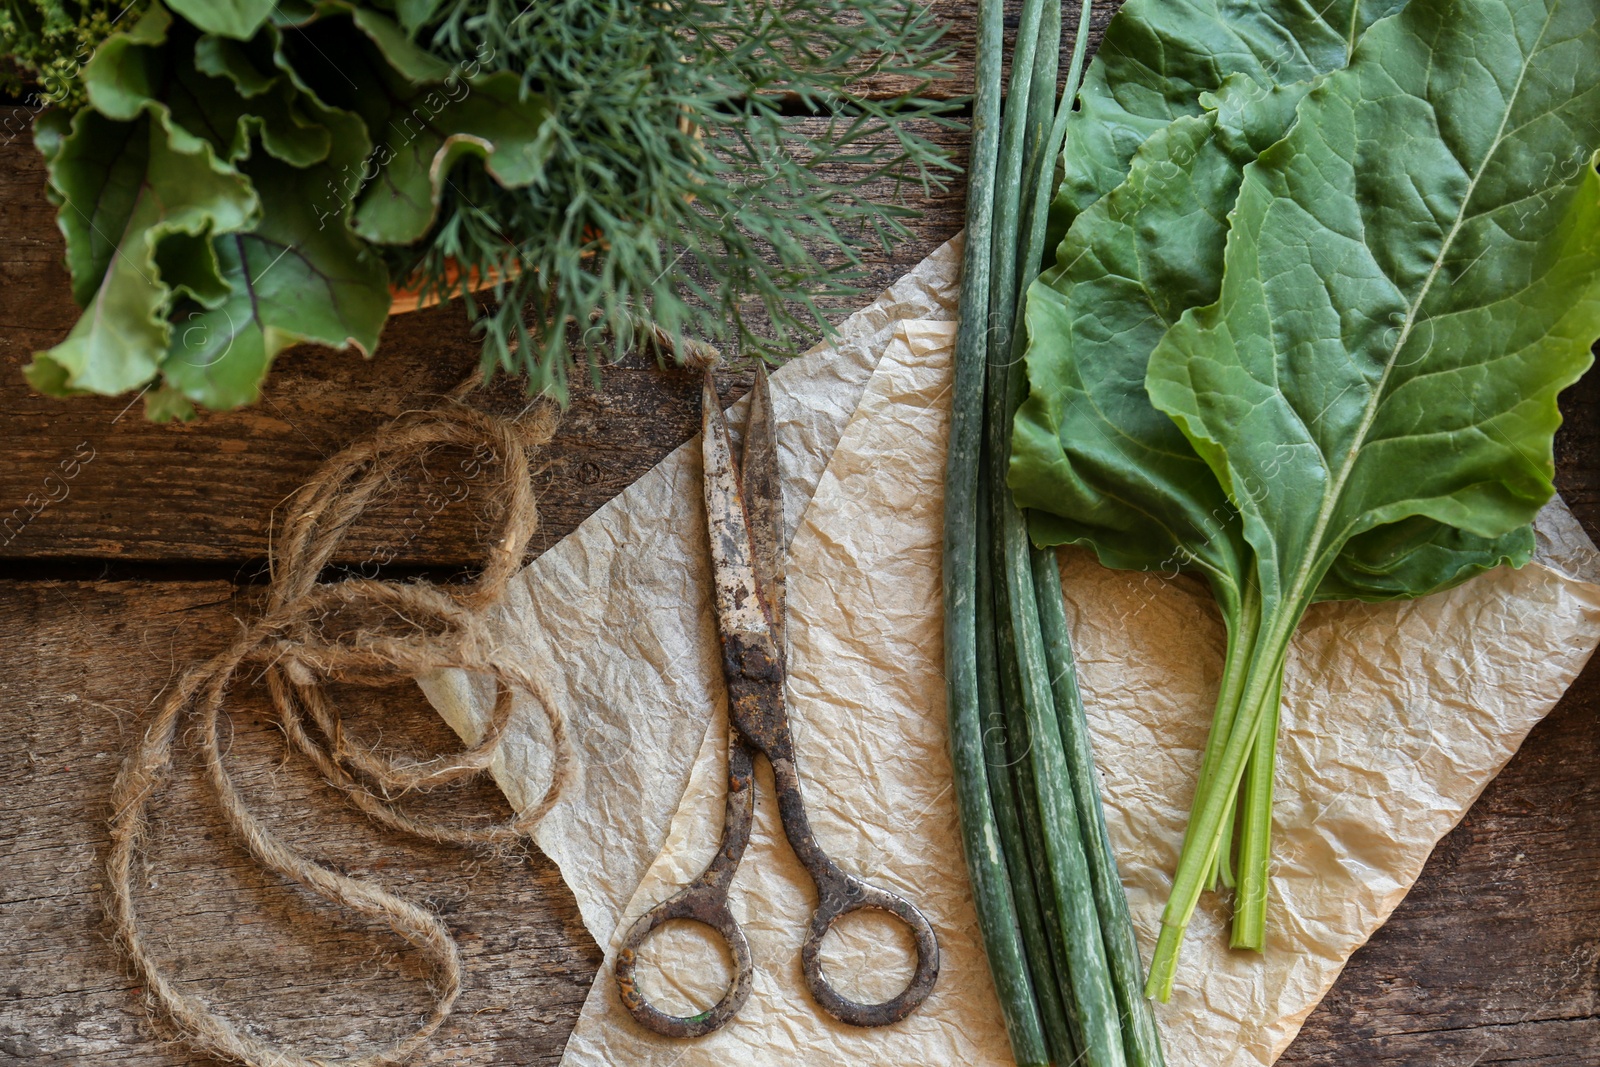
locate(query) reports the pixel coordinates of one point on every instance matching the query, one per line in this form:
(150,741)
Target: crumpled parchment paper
(1396,716)
(616,622)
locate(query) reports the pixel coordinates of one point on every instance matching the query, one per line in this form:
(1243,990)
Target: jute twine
(362,631)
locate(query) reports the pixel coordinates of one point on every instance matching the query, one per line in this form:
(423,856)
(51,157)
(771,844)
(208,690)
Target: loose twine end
(401,630)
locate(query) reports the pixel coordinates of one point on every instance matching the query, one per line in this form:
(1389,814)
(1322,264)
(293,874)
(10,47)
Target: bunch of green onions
(1051,907)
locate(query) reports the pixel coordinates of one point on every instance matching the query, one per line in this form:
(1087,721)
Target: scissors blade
(763,500)
(736,588)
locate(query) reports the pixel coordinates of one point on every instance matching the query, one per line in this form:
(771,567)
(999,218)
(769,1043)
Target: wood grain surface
(87,658)
(114,577)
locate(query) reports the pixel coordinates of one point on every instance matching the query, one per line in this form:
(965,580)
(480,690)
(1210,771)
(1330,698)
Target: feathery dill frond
(681,186)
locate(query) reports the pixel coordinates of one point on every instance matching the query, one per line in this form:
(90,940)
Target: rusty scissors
(744,514)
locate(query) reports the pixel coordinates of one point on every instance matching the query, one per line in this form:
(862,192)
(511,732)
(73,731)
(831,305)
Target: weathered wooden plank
(1493,957)
(84,662)
(1578,450)
(961,37)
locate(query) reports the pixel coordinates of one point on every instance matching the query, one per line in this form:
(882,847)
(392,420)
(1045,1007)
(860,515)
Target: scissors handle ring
(841,896)
(707,905)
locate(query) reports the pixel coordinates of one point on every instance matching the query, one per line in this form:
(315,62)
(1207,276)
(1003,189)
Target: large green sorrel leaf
(1411,277)
(1418,556)
(1091,456)
(1160,55)
(1099,464)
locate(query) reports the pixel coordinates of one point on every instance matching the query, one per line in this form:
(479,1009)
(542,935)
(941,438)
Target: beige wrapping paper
(1396,716)
(615,621)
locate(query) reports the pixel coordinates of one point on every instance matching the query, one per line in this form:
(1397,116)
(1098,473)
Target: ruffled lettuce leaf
(127,189)
(223,194)
(423,117)
(230,18)
(215,95)
(290,281)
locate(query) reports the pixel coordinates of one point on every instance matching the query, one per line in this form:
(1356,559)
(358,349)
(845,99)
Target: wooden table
(113,578)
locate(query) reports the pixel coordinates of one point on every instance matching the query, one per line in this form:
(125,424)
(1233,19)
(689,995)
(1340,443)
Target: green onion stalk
(1052,913)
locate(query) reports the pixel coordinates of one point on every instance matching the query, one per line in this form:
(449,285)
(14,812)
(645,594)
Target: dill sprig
(681,190)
